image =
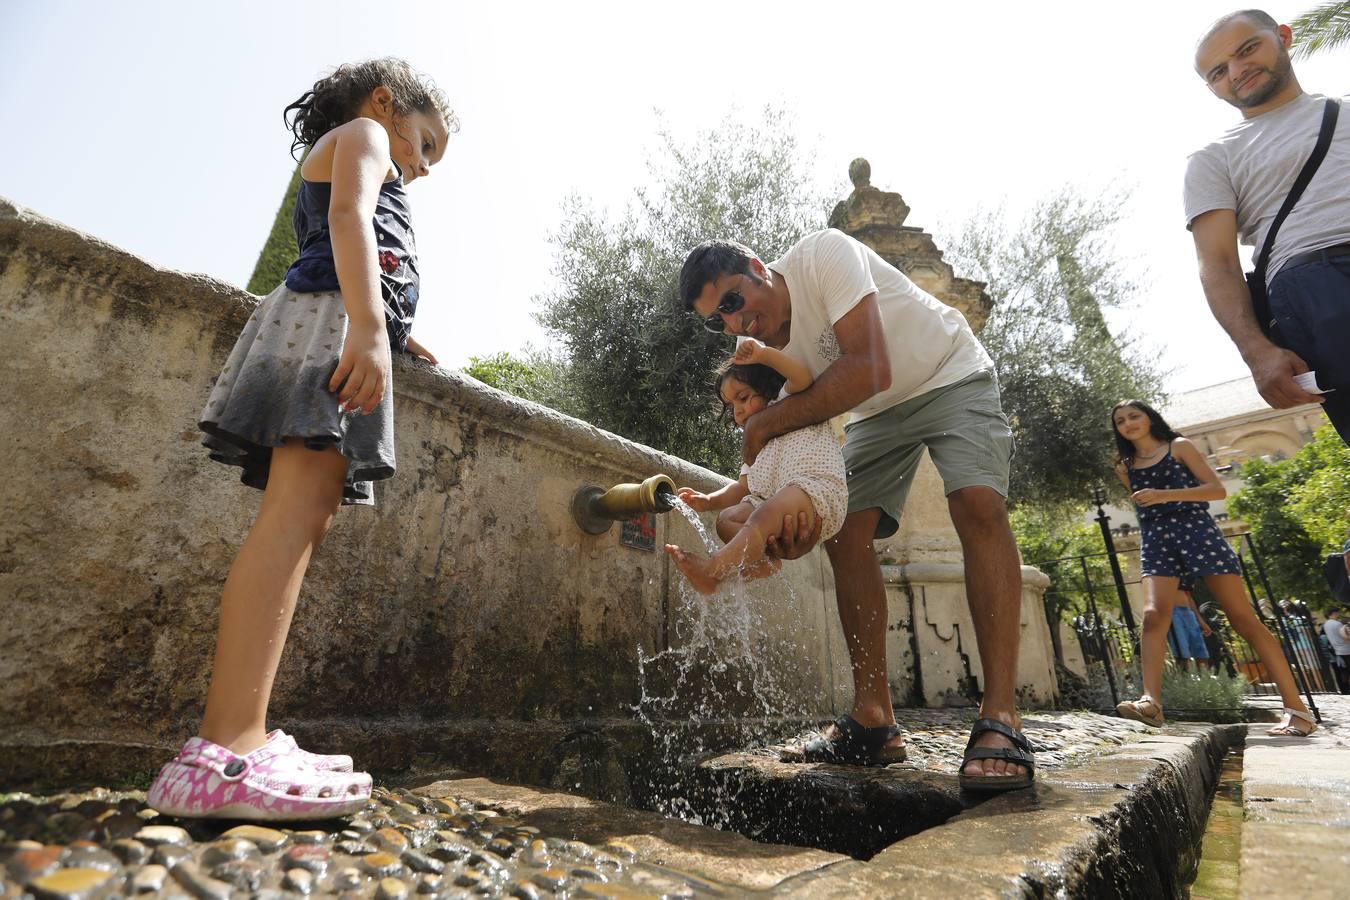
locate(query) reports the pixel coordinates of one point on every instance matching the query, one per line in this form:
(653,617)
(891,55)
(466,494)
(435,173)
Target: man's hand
(1205,630)
(748,351)
(754,438)
(1273,370)
(797,538)
(696,500)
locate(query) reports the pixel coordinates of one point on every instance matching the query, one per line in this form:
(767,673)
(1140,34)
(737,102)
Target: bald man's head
(1244,58)
(1258,17)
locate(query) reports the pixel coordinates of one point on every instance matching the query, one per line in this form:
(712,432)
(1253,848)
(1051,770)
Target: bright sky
(157,125)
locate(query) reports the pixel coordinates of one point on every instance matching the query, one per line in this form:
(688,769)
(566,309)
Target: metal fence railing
(1091,591)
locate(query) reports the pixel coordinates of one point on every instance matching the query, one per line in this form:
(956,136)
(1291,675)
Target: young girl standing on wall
(1171,483)
(304,405)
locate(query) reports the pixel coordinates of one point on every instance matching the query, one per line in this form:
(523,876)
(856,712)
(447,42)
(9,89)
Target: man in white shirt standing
(1234,189)
(911,373)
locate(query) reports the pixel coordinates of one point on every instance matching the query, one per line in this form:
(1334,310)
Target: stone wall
(468,593)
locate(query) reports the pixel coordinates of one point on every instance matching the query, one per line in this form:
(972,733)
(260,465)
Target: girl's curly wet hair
(763,380)
(336,99)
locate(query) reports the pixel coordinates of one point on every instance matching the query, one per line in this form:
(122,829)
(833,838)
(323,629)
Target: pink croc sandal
(208,781)
(324,762)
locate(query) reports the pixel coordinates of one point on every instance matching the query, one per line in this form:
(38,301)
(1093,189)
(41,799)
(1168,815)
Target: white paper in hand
(1308,381)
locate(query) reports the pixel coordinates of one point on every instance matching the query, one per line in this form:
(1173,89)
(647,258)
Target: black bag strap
(1329,115)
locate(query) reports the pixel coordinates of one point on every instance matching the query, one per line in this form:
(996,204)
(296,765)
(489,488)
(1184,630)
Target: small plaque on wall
(639,533)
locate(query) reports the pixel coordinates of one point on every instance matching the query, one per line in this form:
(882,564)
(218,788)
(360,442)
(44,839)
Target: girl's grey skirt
(275,386)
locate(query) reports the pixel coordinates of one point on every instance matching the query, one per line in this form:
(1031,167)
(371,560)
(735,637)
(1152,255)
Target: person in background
(1334,630)
(1186,637)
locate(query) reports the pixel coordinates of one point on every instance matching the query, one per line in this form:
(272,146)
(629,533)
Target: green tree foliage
(636,364)
(280,250)
(1322,489)
(1061,368)
(1296,509)
(1324,27)
(1054,538)
(535,376)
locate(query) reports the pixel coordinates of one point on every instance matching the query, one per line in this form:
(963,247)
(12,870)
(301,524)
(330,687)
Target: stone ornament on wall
(877,218)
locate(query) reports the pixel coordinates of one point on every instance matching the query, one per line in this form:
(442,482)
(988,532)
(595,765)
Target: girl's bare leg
(1232,596)
(304,491)
(1160,592)
(745,551)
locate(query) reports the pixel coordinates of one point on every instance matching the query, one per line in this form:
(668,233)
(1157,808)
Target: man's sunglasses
(732,301)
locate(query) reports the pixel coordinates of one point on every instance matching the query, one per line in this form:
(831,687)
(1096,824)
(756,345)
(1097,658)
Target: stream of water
(722,664)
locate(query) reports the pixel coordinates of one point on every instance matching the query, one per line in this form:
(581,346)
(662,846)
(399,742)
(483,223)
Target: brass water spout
(597,509)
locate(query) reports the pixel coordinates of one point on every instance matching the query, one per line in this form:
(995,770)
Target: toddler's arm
(798,377)
(722,498)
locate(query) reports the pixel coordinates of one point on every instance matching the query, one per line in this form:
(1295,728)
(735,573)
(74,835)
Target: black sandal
(854,744)
(1020,753)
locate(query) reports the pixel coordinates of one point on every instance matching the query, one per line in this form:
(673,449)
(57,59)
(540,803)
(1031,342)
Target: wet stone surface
(104,844)
(935,739)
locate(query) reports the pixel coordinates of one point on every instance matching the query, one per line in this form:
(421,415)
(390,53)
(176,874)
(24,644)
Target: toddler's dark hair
(763,380)
(335,100)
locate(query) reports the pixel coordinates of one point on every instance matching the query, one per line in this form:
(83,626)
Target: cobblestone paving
(935,739)
(102,844)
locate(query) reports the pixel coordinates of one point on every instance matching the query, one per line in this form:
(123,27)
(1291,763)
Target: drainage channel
(1216,877)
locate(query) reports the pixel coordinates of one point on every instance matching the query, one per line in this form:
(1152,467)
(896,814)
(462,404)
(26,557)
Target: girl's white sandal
(1287,728)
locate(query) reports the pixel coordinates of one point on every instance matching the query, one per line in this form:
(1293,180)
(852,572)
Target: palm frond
(1324,27)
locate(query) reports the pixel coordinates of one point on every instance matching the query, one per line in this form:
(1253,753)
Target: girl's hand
(1149,497)
(417,350)
(363,369)
(697,501)
(748,351)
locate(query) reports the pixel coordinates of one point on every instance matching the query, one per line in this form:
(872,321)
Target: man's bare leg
(861,596)
(994,591)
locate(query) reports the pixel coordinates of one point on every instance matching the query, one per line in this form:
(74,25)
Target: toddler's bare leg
(745,551)
(732,519)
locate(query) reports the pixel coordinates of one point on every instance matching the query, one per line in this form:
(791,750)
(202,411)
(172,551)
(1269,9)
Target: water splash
(684,509)
(724,678)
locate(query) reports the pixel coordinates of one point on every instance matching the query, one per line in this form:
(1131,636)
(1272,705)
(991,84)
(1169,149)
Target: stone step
(1124,822)
(1296,809)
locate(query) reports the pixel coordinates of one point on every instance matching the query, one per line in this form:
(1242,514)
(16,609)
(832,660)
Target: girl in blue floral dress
(1171,485)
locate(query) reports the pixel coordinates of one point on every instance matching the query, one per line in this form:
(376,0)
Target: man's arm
(862,370)
(1273,368)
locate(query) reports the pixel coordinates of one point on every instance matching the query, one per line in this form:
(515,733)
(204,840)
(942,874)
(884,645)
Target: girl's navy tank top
(1168,474)
(315,270)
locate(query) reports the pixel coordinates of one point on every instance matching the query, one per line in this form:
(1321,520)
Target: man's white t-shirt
(1253,166)
(930,344)
(1335,632)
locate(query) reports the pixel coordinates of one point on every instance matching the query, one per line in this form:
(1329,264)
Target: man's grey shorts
(961,424)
